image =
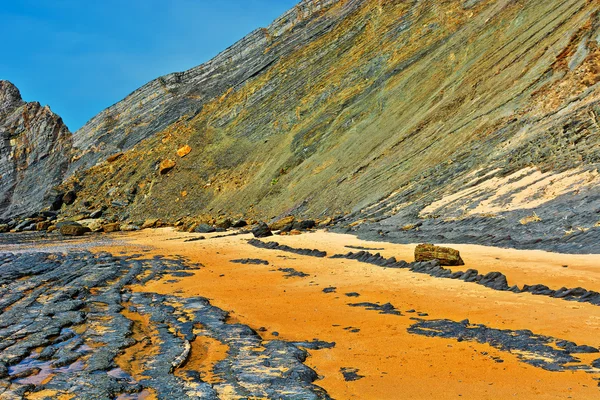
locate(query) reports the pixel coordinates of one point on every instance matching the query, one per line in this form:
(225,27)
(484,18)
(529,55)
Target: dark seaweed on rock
(351,374)
(494,280)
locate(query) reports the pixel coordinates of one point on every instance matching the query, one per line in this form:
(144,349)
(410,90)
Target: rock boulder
(445,255)
(165,166)
(73,229)
(282,222)
(262,230)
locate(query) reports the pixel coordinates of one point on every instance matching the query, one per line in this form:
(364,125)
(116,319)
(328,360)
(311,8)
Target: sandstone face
(95,224)
(35,150)
(391,114)
(445,255)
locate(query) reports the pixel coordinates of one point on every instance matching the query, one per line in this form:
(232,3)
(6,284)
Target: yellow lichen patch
(165,166)
(49,394)
(576,229)
(409,227)
(530,219)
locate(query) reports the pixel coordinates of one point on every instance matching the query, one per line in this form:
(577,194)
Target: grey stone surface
(35,151)
(70,306)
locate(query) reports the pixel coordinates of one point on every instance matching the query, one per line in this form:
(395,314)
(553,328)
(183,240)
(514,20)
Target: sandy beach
(387,361)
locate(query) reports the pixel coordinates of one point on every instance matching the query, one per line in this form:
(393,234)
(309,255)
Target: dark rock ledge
(541,351)
(65,327)
(283,247)
(492,280)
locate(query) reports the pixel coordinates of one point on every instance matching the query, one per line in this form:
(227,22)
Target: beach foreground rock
(446,256)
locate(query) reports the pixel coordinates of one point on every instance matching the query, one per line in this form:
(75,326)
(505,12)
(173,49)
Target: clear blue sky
(81,56)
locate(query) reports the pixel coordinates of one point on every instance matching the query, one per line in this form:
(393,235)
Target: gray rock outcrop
(182,95)
(35,149)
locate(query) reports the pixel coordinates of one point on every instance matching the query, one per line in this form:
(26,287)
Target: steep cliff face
(382,109)
(35,149)
(182,95)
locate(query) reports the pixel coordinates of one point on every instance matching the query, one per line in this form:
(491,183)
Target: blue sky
(81,56)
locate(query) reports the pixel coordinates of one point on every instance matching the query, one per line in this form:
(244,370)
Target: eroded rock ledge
(69,324)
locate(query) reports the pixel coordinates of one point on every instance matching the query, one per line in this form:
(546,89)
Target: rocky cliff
(394,114)
(181,96)
(35,149)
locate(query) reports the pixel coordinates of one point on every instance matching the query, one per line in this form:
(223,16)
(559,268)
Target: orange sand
(395,364)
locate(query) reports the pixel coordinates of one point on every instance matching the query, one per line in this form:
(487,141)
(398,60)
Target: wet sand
(393,363)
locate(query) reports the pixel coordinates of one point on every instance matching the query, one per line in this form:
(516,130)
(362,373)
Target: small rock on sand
(113,227)
(262,230)
(73,229)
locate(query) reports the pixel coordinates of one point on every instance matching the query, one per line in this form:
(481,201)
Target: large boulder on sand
(304,225)
(224,223)
(204,228)
(129,228)
(239,224)
(445,255)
